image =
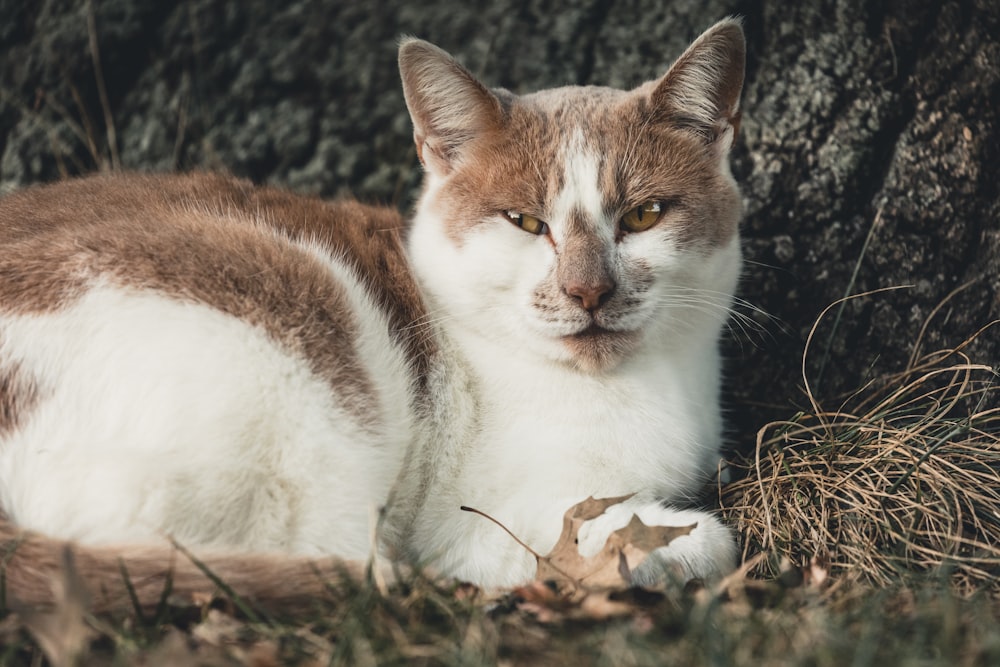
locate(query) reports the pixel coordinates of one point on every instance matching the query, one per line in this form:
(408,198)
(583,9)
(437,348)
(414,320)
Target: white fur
(160,416)
(164,417)
(580,190)
(551,435)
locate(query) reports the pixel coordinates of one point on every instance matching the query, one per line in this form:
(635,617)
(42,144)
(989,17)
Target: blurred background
(867,156)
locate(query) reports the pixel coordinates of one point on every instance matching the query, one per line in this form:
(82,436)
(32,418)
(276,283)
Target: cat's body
(242,368)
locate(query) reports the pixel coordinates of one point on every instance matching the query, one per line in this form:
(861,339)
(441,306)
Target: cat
(251,371)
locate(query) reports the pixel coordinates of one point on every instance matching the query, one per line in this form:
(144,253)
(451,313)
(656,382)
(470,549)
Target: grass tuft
(901,479)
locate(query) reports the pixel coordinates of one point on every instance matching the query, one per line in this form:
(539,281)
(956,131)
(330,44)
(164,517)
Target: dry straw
(902,479)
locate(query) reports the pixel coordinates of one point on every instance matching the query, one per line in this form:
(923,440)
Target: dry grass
(902,478)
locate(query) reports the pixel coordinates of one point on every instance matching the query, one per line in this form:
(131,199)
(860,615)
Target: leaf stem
(517,539)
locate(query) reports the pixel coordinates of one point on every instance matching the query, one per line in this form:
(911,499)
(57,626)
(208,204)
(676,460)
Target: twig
(88,132)
(927,320)
(505,529)
(576,581)
(812,332)
(944,439)
(182,116)
(847,293)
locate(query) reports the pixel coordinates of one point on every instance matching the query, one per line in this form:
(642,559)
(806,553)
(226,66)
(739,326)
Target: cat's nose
(590,295)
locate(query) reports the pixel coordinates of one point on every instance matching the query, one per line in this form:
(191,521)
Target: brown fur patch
(212,239)
(513,169)
(583,263)
(662,162)
(642,155)
(34,565)
(18,394)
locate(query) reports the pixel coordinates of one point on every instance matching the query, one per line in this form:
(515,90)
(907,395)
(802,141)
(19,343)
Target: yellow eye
(528,223)
(642,217)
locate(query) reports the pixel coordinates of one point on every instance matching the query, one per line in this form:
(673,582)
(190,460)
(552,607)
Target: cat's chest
(639,428)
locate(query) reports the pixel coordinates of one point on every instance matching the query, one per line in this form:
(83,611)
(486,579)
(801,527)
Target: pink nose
(590,296)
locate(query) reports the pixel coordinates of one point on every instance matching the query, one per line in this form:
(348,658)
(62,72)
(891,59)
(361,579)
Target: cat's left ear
(701,91)
(448,106)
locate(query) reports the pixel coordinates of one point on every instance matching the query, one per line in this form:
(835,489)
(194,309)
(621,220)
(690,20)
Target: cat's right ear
(448,106)
(701,91)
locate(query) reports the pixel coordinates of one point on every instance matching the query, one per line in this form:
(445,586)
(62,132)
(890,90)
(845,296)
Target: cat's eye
(642,217)
(528,223)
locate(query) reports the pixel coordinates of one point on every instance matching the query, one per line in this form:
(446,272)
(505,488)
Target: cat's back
(177,326)
(162,231)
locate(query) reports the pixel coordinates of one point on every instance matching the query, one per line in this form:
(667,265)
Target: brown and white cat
(245,369)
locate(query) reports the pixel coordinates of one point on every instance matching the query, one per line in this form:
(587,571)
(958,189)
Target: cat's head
(580,222)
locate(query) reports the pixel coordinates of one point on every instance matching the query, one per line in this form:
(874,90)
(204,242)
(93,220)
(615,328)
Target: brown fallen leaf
(569,585)
(564,564)
(217,629)
(612,566)
(542,601)
(818,571)
(599,606)
(548,605)
(638,540)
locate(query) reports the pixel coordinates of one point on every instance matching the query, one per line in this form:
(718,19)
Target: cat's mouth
(590,332)
(597,348)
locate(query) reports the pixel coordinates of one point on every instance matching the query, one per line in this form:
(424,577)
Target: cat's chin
(597,349)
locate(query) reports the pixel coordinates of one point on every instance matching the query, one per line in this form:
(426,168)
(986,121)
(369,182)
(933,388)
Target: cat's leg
(707,552)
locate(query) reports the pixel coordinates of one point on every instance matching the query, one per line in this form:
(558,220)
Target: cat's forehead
(568,109)
(585,152)
(548,135)
(581,100)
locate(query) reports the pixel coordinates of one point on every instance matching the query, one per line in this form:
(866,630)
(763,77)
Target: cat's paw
(708,552)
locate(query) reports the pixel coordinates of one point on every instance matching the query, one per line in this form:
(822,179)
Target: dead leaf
(201,599)
(565,565)
(218,629)
(233,638)
(468,592)
(538,592)
(542,601)
(549,605)
(639,540)
(612,566)
(598,605)
(570,585)
(818,571)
